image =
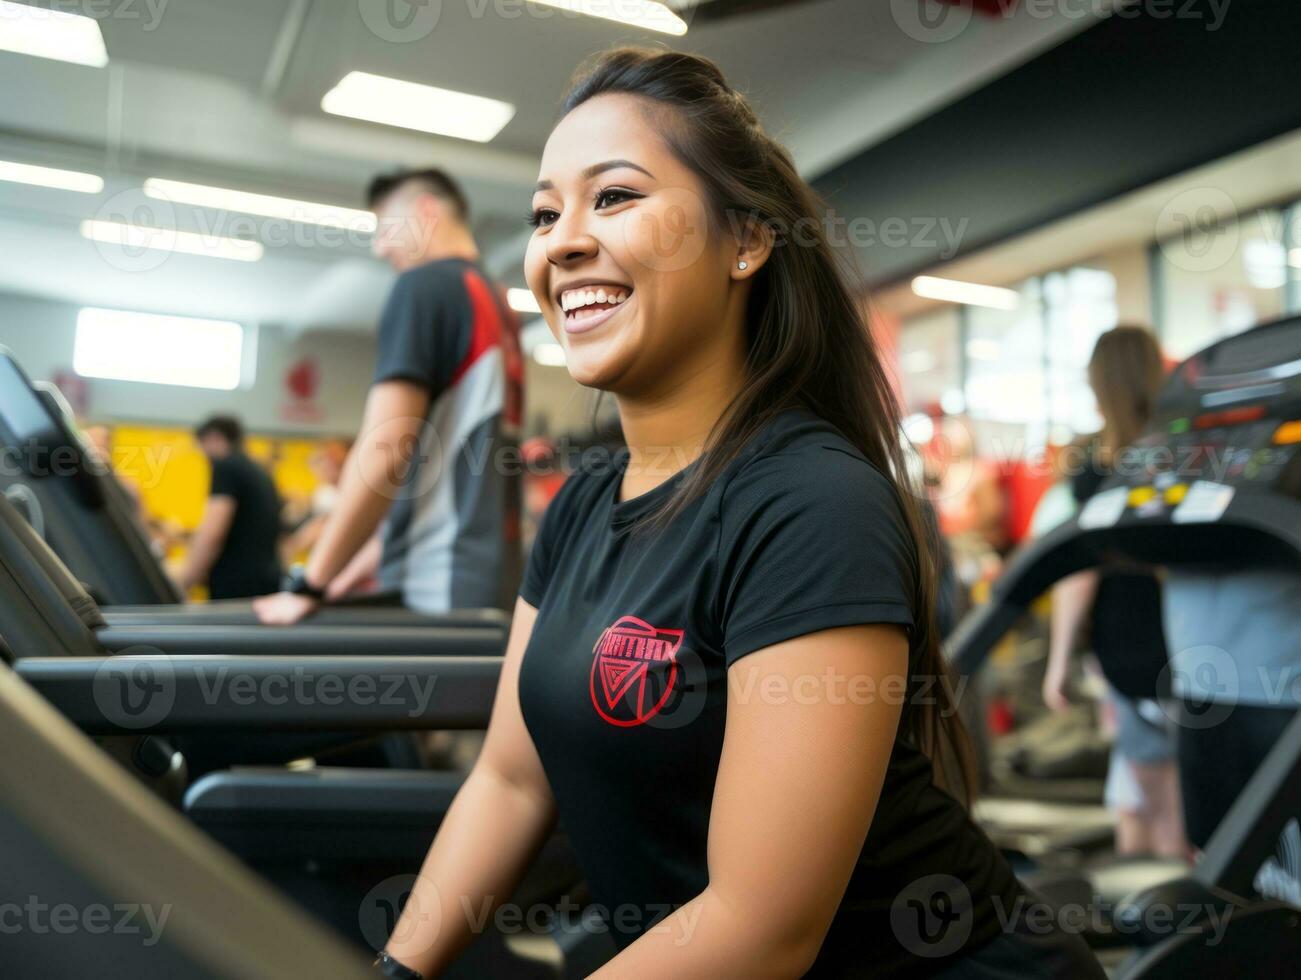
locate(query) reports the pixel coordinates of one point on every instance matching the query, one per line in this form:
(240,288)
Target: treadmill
(77,506)
(157,699)
(1214,483)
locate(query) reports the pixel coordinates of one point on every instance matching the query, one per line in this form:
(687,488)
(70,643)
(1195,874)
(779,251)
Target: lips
(588,305)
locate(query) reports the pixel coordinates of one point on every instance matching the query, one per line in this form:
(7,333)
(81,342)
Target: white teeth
(574,299)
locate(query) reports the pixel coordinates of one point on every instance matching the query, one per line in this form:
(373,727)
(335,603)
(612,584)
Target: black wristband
(389,967)
(296,583)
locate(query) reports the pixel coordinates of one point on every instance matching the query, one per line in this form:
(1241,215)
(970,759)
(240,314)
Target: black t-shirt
(452,537)
(1125,622)
(623,685)
(248,564)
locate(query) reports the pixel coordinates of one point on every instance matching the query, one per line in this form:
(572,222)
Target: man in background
(234,547)
(432,461)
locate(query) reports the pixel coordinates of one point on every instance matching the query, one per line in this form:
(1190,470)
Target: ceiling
(227,92)
(1222,191)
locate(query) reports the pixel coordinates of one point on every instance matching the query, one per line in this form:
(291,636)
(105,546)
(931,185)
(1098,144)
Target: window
(154,349)
(1079,305)
(930,361)
(1004,351)
(1218,279)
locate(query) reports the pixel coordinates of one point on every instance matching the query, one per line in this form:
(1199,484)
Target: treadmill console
(36,436)
(1227,426)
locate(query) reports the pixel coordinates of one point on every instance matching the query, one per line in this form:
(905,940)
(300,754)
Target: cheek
(669,233)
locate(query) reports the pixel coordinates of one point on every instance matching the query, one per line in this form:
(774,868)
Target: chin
(598,369)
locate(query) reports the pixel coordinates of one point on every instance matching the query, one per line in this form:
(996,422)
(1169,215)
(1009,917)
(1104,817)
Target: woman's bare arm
(811,725)
(493,830)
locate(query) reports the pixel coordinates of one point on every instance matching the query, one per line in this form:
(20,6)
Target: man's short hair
(435,181)
(226,426)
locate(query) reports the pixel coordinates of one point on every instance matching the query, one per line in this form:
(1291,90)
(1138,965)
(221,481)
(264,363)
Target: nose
(570,243)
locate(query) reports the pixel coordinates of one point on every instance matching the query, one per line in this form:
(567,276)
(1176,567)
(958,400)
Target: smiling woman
(723,674)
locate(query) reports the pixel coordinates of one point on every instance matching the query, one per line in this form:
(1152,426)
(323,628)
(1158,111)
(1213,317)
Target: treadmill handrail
(139,694)
(1038,566)
(126,844)
(302,638)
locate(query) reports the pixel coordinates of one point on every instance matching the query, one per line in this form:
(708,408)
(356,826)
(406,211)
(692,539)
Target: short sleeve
(547,545)
(425,329)
(811,540)
(225,479)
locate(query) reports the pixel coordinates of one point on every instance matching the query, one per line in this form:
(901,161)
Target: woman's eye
(541,217)
(608,199)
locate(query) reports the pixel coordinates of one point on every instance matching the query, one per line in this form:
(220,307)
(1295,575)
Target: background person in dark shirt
(432,460)
(697,609)
(234,547)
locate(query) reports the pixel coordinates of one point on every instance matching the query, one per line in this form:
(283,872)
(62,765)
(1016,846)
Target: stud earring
(743,265)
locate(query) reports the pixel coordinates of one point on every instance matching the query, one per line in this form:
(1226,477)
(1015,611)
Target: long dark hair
(807,339)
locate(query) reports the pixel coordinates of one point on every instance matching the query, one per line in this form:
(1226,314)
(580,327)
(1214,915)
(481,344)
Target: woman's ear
(754,245)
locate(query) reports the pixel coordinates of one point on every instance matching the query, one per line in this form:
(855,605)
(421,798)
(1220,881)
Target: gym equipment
(1215,481)
(135,854)
(81,510)
(326,836)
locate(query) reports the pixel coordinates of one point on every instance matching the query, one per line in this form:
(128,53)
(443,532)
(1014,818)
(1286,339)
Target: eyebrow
(597,168)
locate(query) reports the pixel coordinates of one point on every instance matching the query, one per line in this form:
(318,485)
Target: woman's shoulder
(803,457)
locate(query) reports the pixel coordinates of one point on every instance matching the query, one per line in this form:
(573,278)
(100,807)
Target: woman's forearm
(1072,600)
(490,836)
(708,938)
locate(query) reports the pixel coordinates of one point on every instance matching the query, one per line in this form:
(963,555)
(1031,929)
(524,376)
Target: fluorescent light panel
(166,240)
(649,14)
(522,300)
(53,34)
(63,180)
(224,199)
(153,349)
(968,293)
(394,102)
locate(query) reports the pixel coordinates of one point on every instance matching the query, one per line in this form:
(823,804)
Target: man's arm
(373,477)
(207,541)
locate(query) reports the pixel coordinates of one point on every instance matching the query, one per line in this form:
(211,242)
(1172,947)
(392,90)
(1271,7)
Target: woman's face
(632,281)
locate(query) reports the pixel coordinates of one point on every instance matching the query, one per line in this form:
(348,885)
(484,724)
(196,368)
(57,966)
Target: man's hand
(283,608)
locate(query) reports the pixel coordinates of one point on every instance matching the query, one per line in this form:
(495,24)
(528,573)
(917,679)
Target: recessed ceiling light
(53,34)
(166,240)
(222,199)
(64,180)
(650,14)
(522,300)
(968,293)
(394,102)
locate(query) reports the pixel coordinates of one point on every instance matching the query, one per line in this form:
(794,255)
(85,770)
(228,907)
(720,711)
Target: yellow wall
(172,473)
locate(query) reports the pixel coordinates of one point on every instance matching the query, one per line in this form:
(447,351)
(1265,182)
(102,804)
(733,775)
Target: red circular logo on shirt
(634,668)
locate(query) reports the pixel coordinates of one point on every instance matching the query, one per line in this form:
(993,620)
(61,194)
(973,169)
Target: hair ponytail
(808,342)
